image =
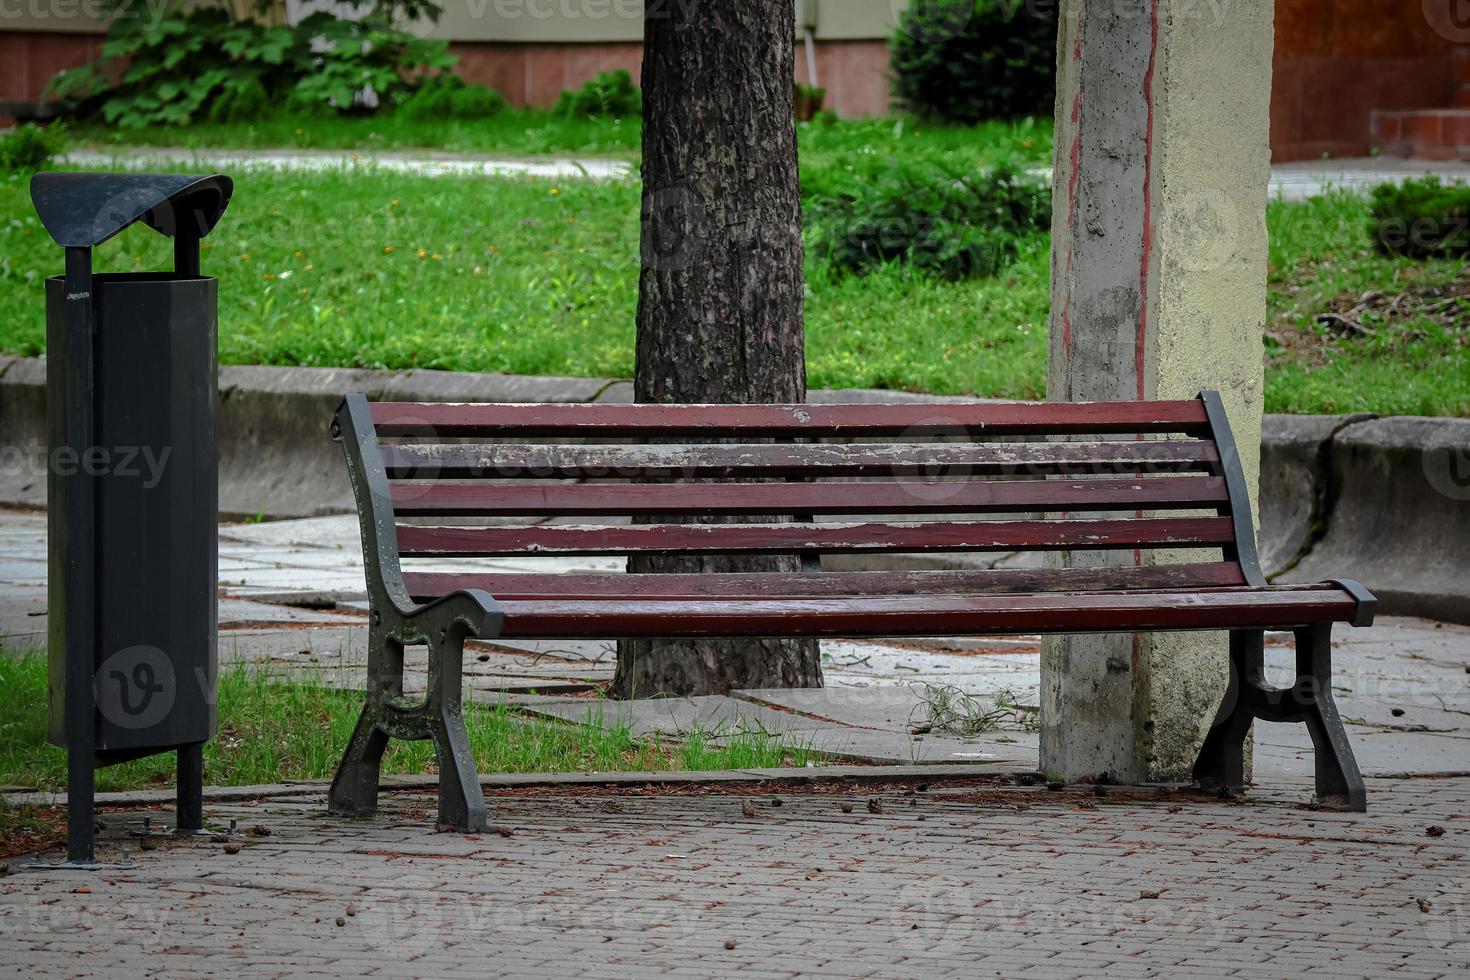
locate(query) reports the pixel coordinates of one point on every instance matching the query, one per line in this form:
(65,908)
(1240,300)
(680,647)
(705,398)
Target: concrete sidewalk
(1291,182)
(952,880)
(423,163)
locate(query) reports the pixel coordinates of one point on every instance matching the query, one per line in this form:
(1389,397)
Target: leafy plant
(354,58)
(447,96)
(1423,218)
(972,60)
(28,148)
(935,216)
(611,93)
(202,63)
(808,101)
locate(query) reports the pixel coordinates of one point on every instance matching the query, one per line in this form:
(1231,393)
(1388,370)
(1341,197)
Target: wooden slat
(801,421)
(929,615)
(617,587)
(479,499)
(448,461)
(486,542)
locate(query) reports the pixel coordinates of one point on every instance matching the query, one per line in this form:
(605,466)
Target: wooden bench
(1130,477)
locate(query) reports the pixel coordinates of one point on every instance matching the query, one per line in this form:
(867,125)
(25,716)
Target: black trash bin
(132,485)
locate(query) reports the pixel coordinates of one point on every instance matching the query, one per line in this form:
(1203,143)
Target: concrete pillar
(1158,291)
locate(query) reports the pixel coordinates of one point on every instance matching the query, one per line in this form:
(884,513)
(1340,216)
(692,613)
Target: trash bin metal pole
(79,544)
(189,760)
(186,249)
(189,789)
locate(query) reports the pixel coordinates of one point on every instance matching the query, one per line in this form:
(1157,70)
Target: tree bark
(720,293)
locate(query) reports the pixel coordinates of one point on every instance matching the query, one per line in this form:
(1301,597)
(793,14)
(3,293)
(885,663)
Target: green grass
(1414,363)
(520,276)
(271,730)
(533,277)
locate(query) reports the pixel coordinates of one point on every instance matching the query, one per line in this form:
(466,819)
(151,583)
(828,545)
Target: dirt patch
(1384,317)
(29,829)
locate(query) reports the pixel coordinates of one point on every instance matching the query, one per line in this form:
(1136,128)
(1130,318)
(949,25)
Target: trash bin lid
(86,209)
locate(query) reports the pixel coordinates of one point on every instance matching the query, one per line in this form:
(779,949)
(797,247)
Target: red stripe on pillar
(1148,231)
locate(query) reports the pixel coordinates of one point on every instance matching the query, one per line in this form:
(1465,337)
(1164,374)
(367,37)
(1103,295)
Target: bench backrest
(809,480)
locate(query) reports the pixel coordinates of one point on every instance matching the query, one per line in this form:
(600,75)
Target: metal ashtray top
(82,210)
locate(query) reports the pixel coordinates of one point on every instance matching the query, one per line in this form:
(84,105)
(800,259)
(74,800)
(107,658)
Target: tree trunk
(720,294)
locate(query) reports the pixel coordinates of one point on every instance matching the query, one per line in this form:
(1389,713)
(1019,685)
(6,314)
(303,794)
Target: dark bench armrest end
(479,613)
(1367,601)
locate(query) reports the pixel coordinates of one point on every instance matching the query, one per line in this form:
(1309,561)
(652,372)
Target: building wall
(30,59)
(853,72)
(536,73)
(529,50)
(1336,62)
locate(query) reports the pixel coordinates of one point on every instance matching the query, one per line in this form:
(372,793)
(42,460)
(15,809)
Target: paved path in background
(422,164)
(961,881)
(1292,181)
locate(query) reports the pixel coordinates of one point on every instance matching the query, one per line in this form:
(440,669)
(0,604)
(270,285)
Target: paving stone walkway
(978,877)
(952,881)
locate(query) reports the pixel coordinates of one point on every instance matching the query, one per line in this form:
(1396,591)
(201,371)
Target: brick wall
(853,72)
(1338,61)
(29,59)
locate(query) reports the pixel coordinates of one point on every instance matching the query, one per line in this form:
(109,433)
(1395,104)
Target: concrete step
(1424,134)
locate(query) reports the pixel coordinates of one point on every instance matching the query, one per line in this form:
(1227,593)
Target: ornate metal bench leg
(1221,762)
(1339,784)
(461,802)
(354,790)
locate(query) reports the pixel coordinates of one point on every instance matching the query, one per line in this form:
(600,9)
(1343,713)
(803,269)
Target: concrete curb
(1386,501)
(276,459)
(1397,515)
(1295,456)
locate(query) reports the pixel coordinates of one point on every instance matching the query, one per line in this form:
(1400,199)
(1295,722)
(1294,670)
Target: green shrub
(368,54)
(971,60)
(935,216)
(246,102)
(202,63)
(1422,218)
(28,148)
(447,96)
(611,93)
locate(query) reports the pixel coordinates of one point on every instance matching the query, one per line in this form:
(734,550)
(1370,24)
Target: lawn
(1409,353)
(272,730)
(535,277)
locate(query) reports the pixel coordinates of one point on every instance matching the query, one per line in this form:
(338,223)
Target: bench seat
(730,607)
(1146,503)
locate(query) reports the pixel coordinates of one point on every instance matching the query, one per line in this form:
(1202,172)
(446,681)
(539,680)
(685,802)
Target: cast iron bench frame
(426,469)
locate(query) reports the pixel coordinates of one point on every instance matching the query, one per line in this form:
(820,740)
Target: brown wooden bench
(1129,477)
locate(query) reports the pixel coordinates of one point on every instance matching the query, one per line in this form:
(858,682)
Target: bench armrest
(474,609)
(1367,601)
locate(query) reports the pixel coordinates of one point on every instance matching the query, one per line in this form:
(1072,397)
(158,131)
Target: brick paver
(952,881)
